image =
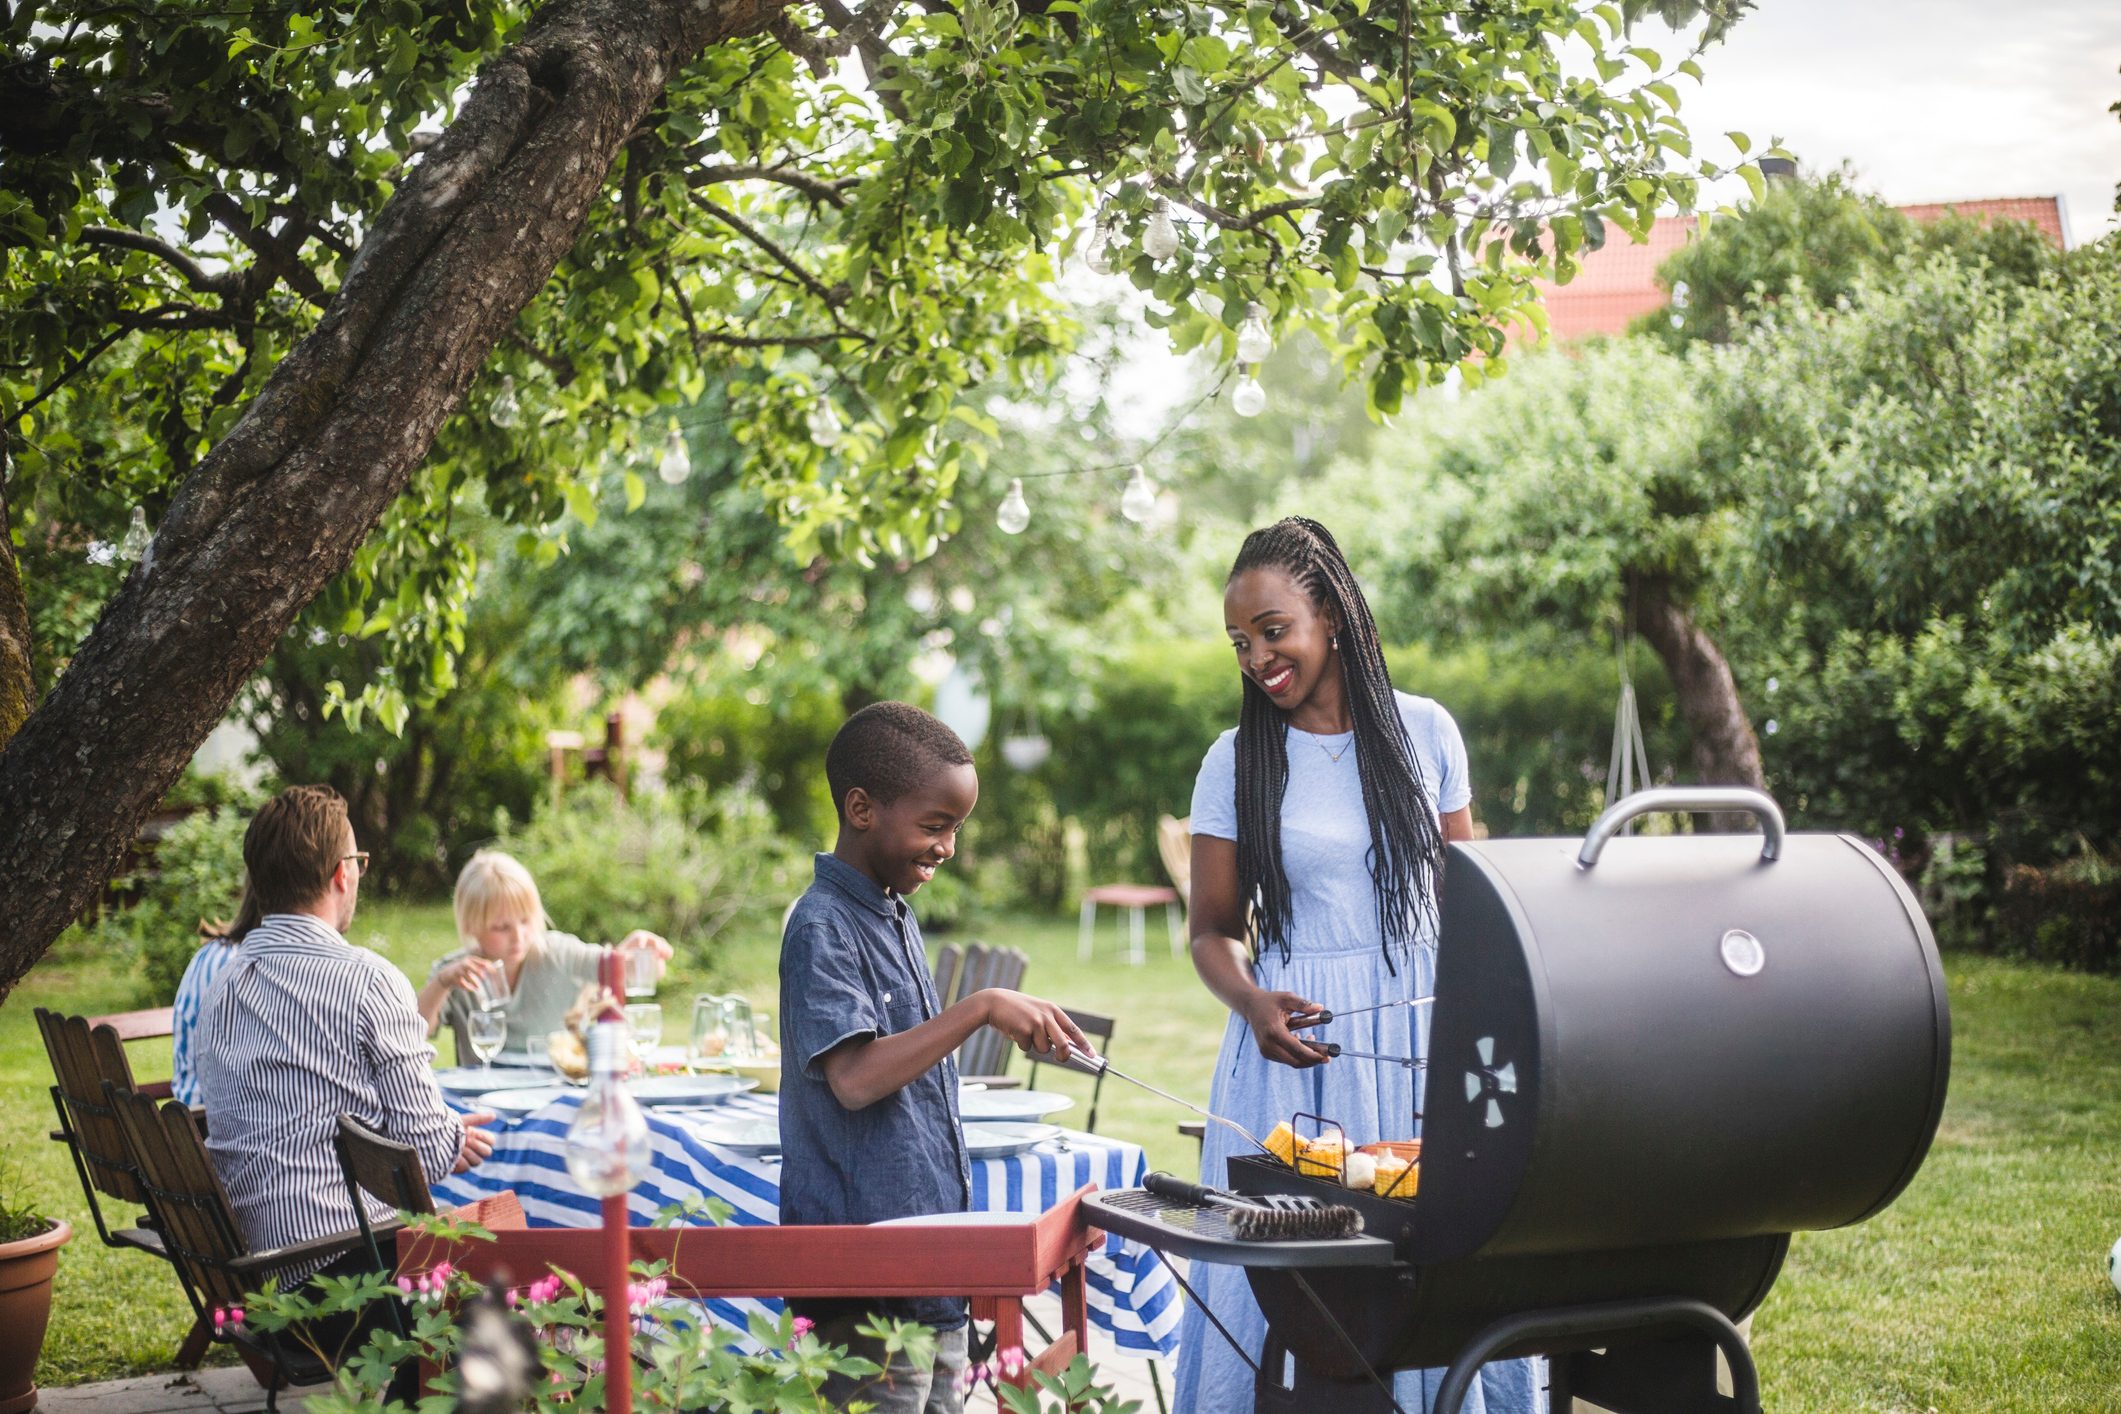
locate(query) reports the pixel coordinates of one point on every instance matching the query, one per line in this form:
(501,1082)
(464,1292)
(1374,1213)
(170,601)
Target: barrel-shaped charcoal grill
(1651,1060)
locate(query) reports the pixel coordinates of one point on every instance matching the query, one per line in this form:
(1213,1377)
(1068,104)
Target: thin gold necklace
(1334,756)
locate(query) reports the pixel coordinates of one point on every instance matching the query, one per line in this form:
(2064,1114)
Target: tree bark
(18,684)
(283,502)
(1725,750)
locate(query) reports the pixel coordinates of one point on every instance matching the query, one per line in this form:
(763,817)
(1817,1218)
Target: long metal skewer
(1098,1065)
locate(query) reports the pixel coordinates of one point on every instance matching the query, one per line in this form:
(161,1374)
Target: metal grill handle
(1690,799)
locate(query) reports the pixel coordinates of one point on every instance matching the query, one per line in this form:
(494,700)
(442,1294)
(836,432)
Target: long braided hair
(1406,838)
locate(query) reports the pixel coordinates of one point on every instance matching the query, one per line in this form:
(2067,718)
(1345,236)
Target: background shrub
(194,877)
(687,867)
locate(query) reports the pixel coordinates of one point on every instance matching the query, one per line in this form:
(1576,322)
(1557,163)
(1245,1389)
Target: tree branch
(817,187)
(276,256)
(830,297)
(196,275)
(1229,222)
(865,32)
(705,337)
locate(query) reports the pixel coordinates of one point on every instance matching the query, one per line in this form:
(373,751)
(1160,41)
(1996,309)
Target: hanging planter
(1027,752)
(26,1269)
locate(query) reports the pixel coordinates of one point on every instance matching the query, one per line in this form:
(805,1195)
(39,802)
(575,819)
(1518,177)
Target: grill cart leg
(1671,1374)
(1308,1393)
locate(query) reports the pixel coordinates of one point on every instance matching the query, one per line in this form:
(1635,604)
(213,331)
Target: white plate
(517,1103)
(1023,1106)
(471,1080)
(689,1089)
(756,1137)
(974,1219)
(999,1141)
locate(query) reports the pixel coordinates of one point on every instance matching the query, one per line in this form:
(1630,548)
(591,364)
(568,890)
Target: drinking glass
(709,1038)
(487,1032)
(490,992)
(742,1042)
(640,971)
(644,1029)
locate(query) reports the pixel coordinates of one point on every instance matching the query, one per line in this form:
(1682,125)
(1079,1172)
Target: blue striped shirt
(206,964)
(301,1028)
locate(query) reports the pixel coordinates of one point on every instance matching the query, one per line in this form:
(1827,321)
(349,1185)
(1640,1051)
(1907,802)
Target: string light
(1098,255)
(1015,512)
(1138,502)
(1248,399)
(824,424)
(676,463)
(505,411)
(1160,240)
(137,538)
(1254,339)
(608,1145)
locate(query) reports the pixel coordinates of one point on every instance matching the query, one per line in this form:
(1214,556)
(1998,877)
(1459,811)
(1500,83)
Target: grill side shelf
(1200,1234)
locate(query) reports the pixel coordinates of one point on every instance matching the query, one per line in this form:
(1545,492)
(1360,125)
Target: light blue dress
(1336,959)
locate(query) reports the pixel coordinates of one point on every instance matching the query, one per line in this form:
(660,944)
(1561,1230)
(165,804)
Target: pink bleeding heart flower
(1012,1361)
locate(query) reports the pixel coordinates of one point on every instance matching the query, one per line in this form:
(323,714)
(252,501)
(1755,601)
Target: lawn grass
(1982,1289)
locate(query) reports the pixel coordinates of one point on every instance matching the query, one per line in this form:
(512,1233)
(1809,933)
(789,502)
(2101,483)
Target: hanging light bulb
(608,1147)
(676,463)
(1160,240)
(1254,339)
(505,411)
(1098,254)
(136,540)
(1015,511)
(1138,502)
(824,424)
(1248,399)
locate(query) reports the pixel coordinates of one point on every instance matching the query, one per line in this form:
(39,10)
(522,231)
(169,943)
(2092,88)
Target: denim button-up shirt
(852,965)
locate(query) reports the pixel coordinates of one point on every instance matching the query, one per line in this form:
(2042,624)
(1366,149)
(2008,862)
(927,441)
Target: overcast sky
(1930,99)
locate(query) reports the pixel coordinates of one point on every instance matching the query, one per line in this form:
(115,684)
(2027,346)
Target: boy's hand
(1041,1028)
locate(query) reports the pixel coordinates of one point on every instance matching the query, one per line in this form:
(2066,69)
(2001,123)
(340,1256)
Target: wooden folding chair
(84,1057)
(1098,1029)
(205,1242)
(985,1055)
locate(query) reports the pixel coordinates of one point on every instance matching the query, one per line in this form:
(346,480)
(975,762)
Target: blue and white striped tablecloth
(1131,1294)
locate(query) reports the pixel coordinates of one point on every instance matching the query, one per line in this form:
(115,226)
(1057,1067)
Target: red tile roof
(1618,284)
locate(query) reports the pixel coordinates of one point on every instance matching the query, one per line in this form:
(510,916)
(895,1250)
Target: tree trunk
(1725,750)
(18,685)
(280,506)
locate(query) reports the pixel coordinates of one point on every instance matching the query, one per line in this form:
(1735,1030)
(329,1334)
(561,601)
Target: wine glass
(487,1032)
(640,971)
(644,1029)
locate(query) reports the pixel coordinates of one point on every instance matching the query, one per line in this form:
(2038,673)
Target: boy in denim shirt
(869,1123)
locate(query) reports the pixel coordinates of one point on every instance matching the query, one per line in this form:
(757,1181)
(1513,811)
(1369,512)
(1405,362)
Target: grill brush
(1271,1217)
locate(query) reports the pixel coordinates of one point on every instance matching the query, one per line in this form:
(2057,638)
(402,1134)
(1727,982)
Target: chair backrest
(197,1222)
(1174,842)
(139,1025)
(949,971)
(83,1058)
(986,1051)
(382,1167)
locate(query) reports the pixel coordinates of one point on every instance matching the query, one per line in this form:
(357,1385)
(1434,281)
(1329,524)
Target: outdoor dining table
(1133,1297)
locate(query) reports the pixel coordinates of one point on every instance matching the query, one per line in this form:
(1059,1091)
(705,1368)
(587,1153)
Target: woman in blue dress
(1328,808)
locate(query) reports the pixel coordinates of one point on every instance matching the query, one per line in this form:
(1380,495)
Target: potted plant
(29,1255)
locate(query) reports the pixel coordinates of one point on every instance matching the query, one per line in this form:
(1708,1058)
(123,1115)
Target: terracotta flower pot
(26,1269)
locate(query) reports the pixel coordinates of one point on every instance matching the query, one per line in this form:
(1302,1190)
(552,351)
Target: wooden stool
(1137,899)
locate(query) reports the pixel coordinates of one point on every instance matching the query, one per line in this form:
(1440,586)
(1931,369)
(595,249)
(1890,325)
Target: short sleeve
(1215,790)
(825,996)
(1454,779)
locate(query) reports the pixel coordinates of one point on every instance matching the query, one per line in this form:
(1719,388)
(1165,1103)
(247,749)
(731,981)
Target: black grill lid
(1686,1039)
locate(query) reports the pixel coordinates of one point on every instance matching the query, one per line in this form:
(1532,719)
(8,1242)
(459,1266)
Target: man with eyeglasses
(303,1027)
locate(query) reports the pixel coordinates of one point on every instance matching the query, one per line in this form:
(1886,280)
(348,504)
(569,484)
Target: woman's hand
(1268,1013)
